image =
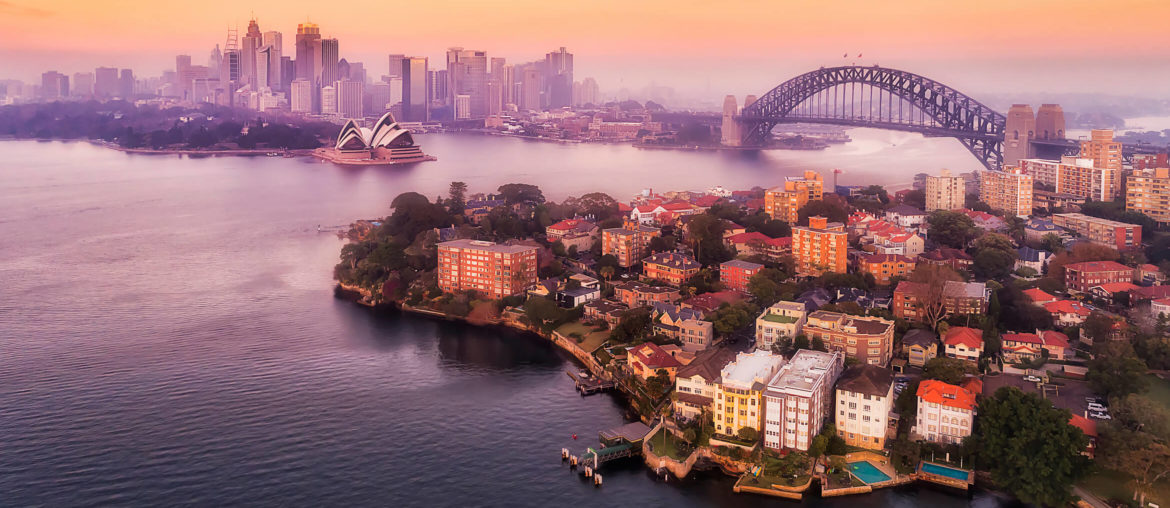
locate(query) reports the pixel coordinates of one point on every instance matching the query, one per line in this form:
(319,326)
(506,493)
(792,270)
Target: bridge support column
(1019,131)
(731,130)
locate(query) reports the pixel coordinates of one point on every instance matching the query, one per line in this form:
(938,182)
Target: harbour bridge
(892,99)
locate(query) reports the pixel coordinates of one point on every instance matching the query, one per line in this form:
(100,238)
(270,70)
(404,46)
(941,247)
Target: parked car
(1093,406)
(1032,379)
(1100,415)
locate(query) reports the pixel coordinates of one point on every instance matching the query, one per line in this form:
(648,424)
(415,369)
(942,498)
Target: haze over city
(700,49)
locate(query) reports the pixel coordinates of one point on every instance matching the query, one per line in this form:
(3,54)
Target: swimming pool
(949,472)
(868,473)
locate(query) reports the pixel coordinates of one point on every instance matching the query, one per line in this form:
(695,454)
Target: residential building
(1160,306)
(639,294)
(605,310)
(865,399)
(736,274)
(673,268)
(684,324)
(1025,347)
(885,266)
(955,259)
(781,320)
(1105,153)
(1089,429)
(799,398)
(648,359)
(1009,191)
(1036,229)
(1038,296)
(759,244)
(820,247)
(959,298)
(1083,276)
(1050,202)
(696,383)
(1119,235)
(1027,257)
(739,399)
(868,339)
(783,203)
(920,346)
(946,412)
(1075,176)
(1148,191)
(628,244)
(708,302)
(573,232)
(1067,312)
(496,270)
(905,216)
(945,192)
(963,343)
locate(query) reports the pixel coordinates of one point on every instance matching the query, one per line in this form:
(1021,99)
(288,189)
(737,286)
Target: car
(1032,379)
(1093,406)
(1100,415)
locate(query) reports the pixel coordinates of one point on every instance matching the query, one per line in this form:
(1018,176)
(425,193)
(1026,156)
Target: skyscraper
(126,84)
(301,96)
(249,48)
(54,85)
(329,60)
(349,98)
(182,75)
(415,107)
(437,93)
(288,72)
(308,46)
(105,82)
(214,60)
(328,100)
(467,75)
(82,85)
(529,89)
(589,93)
(558,78)
(273,41)
(501,87)
(396,65)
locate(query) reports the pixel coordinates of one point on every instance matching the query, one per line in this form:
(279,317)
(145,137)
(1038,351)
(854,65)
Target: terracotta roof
(653,357)
(1117,287)
(673,260)
(1066,307)
(1023,338)
(961,335)
(1087,426)
(1151,292)
(1098,266)
(705,201)
(866,380)
(694,399)
(1054,338)
(1038,296)
(945,254)
(708,302)
(677,206)
(756,236)
(938,392)
(741,264)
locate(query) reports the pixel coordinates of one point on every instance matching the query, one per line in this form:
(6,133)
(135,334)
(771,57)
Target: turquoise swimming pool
(949,472)
(868,473)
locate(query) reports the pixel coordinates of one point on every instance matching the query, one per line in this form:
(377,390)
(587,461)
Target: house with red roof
(885,266)
(705,202)
(647,359)
(1109,290)
(759,244)
(1089,429)
(1025,347)
(708,302)
(1067,312)
(963,343)
(1038,296)
(1160,306)
(1083,276)
(946,413)
(985,221)
(573,232)
(1149,275)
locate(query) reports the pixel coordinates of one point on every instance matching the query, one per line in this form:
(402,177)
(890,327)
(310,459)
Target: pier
(589,385)
(616,443)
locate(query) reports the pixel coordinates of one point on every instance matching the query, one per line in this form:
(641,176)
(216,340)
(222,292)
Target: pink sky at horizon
(700,47)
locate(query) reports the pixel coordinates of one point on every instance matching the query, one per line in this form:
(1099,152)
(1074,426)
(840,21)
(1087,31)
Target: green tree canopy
(947,370)
(950,229)
(830,209)
(1029,446)
(1116,371)
(515,193)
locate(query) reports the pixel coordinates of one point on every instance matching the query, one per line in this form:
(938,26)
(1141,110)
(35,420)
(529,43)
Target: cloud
(15,9)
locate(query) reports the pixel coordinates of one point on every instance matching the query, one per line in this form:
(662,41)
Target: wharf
(589,385)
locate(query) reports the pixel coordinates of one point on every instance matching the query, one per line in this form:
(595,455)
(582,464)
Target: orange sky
(688,43)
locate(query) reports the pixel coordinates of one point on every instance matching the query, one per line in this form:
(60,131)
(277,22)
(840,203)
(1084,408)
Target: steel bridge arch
(948,112)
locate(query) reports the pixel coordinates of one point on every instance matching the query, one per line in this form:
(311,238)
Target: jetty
(589,385)
(616,443)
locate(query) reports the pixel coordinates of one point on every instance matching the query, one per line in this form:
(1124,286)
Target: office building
(1008,191)
(271,65)
(799,398)
(82,85)
(462,107)
(396,65)
(945,191)
(328,100)
(250,45)
(126,84)
(308,47)
(467,74)
(414,75)
(349,98)
(529,88)
(820,247)
(494,270)
(558,78)
(54,85)
(301,96)
(105,82)
(329,61)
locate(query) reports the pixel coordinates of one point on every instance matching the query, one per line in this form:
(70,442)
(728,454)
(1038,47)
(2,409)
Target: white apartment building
(799,398)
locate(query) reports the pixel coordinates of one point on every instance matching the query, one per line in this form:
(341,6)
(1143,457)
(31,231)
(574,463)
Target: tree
(765,286)
(830,209)
(456,200)
(634,324)
(994,256)
(1098,326)
(951,229)
(915,198)
(1029,447)
(598,204)
(1135,442)
(818,445)
(930,280)
(947,370)
(731,317)
(1116,371)
(516,193)
(541,311)
(1051,243)
(749,434)
(818,344)
(606,273)
(705,234)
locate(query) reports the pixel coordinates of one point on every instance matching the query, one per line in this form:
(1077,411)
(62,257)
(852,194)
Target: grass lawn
(1159,391)
(592,339)
(664,443)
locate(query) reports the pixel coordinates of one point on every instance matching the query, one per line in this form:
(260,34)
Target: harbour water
(168,335)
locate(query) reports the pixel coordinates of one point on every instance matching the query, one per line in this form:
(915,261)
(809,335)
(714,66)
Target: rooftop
(961,335)
(866,380)
(938,392)
(804,371)
(1098,266)
(750,368)
(480,245)
(742,265)
(920,337)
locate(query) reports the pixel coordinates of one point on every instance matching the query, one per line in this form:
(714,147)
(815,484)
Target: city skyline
(994,47)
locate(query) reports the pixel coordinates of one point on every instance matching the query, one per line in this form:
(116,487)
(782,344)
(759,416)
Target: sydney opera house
(385,143)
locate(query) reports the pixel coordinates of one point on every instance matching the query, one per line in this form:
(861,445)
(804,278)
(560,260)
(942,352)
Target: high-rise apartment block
(799,398)
(783,203)
(820,247)
(628,244)
(739,401)
(783,320)
(1146,191)
(1119,235)
(945,191)
(1009,191)
(495,270)
(865,399)
(1078,176)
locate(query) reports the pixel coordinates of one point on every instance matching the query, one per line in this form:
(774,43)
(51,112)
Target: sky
(703,49)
